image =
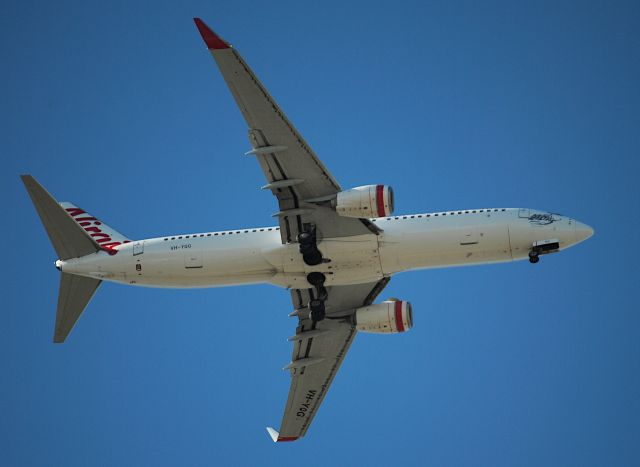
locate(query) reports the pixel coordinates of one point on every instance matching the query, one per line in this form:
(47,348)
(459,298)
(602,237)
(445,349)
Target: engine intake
(365,201)
(391,316)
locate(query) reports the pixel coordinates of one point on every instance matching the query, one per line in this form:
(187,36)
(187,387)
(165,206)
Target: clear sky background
(119,108)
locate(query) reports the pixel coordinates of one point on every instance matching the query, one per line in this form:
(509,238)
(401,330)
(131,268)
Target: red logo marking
(89,224)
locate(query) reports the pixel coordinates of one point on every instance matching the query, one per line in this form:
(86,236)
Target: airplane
(334,249)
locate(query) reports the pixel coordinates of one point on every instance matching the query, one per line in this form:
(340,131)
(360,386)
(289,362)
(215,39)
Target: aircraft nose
(582,231)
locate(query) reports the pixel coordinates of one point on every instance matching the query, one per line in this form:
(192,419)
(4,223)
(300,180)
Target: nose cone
(582,231)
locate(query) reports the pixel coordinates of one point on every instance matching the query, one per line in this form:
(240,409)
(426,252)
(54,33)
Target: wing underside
(318,351)
(294,173)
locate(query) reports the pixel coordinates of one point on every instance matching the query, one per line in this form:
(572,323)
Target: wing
(318,351)
(294,173)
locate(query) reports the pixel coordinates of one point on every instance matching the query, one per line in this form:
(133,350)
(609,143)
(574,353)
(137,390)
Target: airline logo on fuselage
(543,219)
(91,225)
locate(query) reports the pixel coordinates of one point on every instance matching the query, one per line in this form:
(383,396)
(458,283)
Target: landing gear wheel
(317,310)
(533,257)
(313,258)
(306,238)
(316,279)
(316,305)
(308,246)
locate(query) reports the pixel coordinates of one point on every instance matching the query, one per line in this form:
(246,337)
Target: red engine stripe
(399,323)
(380,200)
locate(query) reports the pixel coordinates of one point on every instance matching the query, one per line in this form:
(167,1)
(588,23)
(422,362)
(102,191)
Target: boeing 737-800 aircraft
(334,249)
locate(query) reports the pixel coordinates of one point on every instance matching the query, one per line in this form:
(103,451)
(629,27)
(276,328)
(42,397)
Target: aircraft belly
(351,260)
(457,245)
(354,260)
(203,263)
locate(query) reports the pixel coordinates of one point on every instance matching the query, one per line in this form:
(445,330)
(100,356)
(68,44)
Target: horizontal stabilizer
(68,238)
(73,297)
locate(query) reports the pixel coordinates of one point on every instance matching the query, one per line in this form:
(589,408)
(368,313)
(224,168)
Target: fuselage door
(524,212)
(469,236)
(138,248)
(192,258)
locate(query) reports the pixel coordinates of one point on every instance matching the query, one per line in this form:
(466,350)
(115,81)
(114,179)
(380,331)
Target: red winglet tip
(210,38)
(287,438)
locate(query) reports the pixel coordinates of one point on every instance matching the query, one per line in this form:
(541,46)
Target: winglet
(275,436)
(213,41)
(273,433)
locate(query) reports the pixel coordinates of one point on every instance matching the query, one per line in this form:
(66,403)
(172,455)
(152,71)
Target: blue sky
(119,108)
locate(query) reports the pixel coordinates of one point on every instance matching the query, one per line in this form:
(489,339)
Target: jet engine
(365,201)
(391,316)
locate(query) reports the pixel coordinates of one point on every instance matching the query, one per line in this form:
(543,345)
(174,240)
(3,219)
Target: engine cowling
(391,316)
(365,201)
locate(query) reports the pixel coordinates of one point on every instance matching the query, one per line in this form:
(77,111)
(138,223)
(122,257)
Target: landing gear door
(524,212)
(138,248)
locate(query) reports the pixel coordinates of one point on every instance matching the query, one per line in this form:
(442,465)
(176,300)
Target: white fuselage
(257,255)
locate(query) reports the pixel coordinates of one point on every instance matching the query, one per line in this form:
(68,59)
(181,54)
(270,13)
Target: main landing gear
(316,305)
(308,246)
(533,256)
(312,257)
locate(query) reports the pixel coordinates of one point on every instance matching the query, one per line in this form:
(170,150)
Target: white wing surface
(293,171)
(318,351)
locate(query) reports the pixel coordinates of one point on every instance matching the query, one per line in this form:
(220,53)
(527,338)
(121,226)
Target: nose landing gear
(543,247)
(316,305)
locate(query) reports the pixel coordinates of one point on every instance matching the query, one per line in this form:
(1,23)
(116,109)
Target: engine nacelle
(365,201)
(391,316)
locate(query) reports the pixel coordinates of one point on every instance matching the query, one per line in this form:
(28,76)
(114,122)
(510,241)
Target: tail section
(106,237)
(74,233)
(67,238)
